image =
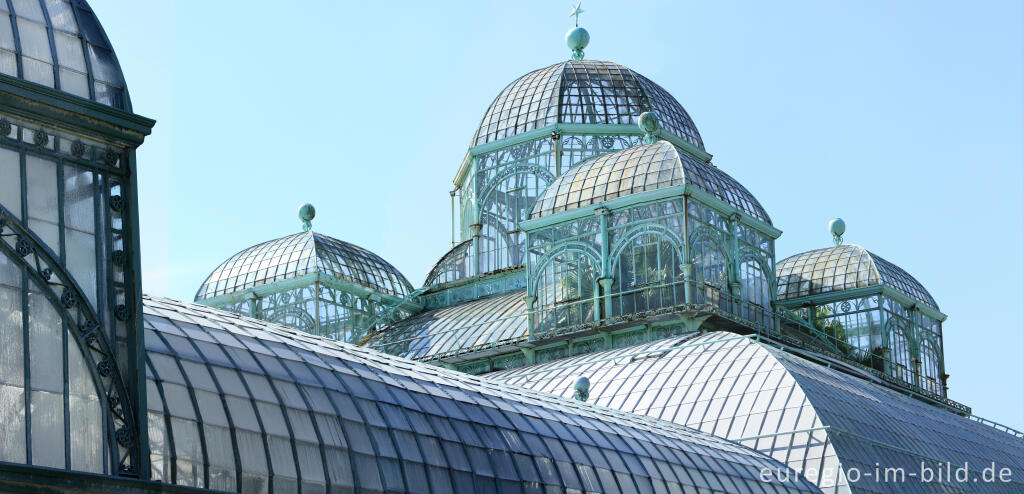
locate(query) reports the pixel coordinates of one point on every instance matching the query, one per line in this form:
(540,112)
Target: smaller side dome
(300,254)
(639,169)
(844,267)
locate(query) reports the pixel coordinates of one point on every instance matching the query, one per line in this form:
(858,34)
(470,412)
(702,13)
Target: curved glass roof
(237,404)
(469,326)
(844,267)
(737,388)
(60,44)
(453,265)
(640,169)
(582,91)
(298,255)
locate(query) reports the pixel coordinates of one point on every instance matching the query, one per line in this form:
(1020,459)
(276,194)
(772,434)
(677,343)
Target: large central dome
(585,92)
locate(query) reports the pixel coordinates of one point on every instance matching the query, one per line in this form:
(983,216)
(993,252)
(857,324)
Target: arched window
(52,397)
(931,370)
(710,270)
(900,349)
(565,285)
(648,274)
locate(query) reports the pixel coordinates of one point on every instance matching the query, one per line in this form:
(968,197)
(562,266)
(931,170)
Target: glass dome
(844,267)
(585,92)
(298,255)
(639,169)
(60,44)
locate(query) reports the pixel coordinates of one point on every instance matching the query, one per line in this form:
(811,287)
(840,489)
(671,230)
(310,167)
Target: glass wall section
(647,254)
(645,265)
(565,264)
(455,265)
(50,411)
(321,416)
(510,181)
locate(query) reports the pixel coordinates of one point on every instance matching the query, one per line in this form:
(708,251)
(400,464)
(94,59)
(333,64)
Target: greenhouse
(610,317)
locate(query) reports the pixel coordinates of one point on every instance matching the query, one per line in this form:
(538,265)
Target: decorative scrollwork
(845,306)
(116,203)
(105,367)
(23,247)
(121,312)
(5,127)
(111,156)
(607,141)
(19,244)
(77,148)
(125,437)
(40,138)
(118,257)
(68,299)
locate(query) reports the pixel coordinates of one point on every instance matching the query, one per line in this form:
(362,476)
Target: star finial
(576,11)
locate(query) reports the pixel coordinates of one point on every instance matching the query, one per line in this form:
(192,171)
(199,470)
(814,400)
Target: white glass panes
(799,412)
(488,321)
(326,416)
(639,169)
(46,43)
(50,411)
(582,91)
(298,255)
(843,268)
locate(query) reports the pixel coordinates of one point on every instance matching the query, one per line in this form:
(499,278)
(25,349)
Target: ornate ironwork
(57,285)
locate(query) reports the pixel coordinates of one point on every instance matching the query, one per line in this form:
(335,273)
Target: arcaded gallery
(612,317)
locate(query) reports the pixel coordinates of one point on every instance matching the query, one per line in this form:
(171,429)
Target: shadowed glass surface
(60,44)
(582,91)
(499,319)
(843,268)
(239,405)
(639,169)
(298,255)
(799,412)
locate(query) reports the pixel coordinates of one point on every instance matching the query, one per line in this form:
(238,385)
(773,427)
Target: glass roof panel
(843,267)
(300,254)
(735,387)
(372,417)
(582,91)
(458,328)
(85,64)
(454,265)
(639,169)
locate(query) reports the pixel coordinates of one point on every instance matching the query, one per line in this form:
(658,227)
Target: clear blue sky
(904,118)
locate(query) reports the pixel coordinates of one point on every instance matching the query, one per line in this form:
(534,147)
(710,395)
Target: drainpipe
(605,280)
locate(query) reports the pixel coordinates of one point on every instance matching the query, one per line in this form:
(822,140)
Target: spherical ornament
(648,121)
(307,212)
(577,38)
(581,388)
(837,227)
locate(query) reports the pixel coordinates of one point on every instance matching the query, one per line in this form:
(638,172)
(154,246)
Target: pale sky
(904,118)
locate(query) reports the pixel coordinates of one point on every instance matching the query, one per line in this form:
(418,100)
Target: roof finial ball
(306,213)
(577,38)
(648,122)
(581,389)
(837,227)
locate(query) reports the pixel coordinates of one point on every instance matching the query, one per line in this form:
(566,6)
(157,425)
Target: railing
(646,303)
(996,425)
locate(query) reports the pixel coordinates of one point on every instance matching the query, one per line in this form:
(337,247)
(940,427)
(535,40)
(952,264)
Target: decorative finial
(306,213)
(577,38)
(576,11)
(648,123)
(582,389)
(837,227)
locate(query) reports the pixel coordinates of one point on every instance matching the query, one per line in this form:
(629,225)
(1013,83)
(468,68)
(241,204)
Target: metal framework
(243,405)
(750,391)
(312,282)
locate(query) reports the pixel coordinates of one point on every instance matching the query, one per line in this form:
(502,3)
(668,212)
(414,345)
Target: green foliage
(832,328)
